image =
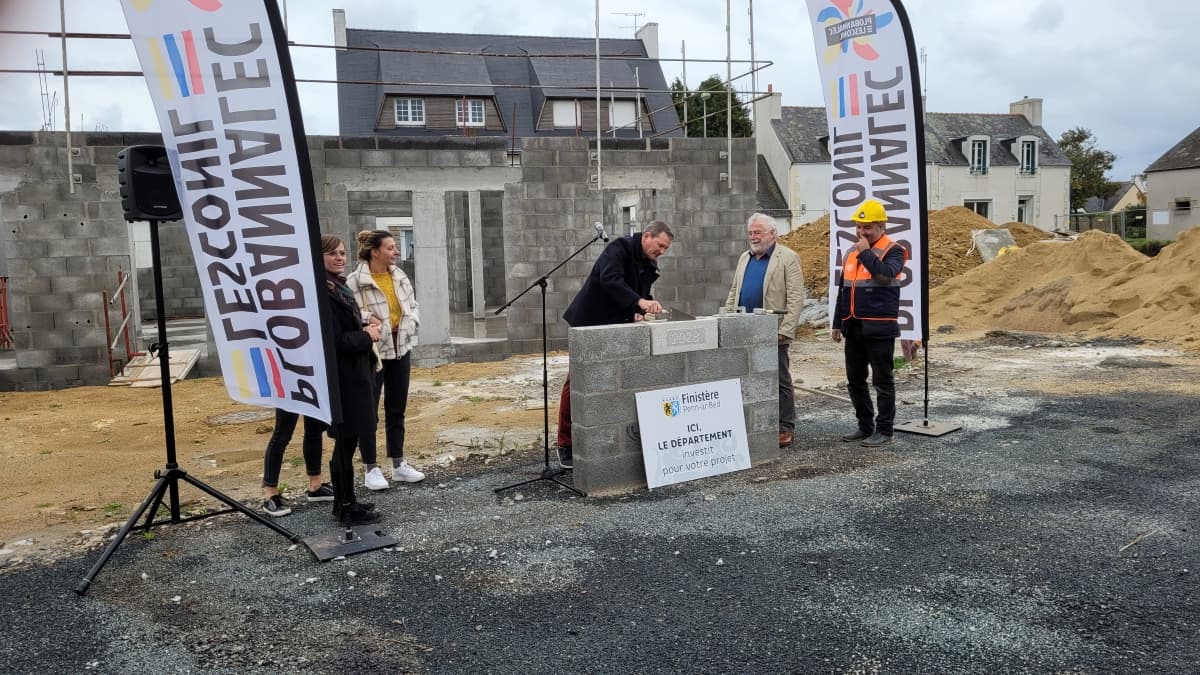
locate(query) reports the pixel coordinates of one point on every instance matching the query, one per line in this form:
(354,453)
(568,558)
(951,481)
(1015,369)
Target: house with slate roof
(1004,167)
(434,85)
(1127,194)
(1173,190)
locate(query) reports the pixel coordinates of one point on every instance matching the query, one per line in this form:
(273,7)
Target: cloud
(1046,17)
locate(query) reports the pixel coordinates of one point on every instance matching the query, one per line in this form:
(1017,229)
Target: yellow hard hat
(870,211)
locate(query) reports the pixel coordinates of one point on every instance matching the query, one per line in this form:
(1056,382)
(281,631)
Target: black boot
(355,514)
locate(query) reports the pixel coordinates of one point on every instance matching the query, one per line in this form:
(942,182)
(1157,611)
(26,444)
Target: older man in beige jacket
(768,276)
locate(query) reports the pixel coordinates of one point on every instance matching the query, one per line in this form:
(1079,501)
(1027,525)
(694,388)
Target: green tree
(1089,166)
(715,105)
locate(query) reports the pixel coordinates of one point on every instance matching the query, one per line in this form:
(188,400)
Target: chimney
(769,107)
(1031,108)
(648,34)
(339,29)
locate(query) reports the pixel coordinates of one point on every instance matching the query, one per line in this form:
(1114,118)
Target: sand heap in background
(1095,284)
(950,246)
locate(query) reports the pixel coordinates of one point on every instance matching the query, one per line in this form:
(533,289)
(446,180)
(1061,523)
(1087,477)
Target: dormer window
(978,156)
(468,112)
(410,112)
(567,114)
(1028,157)
(622,115)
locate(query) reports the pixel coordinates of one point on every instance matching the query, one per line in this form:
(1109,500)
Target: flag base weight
(927,428)
(350,541)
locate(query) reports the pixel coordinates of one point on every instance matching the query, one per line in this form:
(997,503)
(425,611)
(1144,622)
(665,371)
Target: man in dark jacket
(867,316)
(616,291)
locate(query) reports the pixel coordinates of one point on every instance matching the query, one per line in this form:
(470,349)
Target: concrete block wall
(181,282)
(63,249)
(458,251)
(550,212)
(610,364)
(494,268)
(533,216)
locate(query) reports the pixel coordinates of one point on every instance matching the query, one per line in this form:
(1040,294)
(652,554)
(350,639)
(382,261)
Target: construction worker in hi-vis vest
(868,306)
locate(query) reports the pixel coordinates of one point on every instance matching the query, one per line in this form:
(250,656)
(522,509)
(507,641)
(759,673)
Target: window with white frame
(622,115)
(410,112)
(1029,155)
(566,114)
(468,112)
(981,206)
(1183,204)
(979,157)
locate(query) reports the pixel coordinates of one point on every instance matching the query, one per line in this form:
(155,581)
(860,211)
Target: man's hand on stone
(650,306)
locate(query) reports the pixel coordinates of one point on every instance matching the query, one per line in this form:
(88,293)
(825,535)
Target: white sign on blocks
(692,431)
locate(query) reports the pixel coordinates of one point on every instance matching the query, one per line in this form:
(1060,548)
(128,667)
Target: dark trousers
(564,415)
(285,426)
(787,390)
(341,470)
(876,353)
(392,380)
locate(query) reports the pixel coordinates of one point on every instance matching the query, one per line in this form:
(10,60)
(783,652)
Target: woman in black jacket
(352,341)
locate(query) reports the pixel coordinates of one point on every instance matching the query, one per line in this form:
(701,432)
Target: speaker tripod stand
(547,474)
(169,476)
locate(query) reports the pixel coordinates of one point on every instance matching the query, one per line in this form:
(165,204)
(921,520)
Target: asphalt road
(1056,532)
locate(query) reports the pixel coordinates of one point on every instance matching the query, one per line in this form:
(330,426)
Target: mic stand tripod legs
(547,474)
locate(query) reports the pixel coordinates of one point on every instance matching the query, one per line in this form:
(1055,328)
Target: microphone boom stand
(169,476)
(547,474)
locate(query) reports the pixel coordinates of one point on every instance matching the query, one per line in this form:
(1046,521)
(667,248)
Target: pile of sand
(950,247)
(1096,284)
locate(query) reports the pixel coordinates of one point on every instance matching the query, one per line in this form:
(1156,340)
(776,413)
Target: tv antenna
(635,16)
(49,100)
(924,59)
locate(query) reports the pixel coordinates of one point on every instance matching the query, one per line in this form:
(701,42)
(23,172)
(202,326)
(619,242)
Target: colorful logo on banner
(178,73)
(848,28)
(259,368)
(206,5)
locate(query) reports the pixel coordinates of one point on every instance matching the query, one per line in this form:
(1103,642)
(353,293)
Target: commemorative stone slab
(672,337)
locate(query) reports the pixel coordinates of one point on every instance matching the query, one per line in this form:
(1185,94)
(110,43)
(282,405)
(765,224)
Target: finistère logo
(670,405)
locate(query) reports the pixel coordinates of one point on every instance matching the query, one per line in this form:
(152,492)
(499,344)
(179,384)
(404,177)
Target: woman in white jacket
(383,290)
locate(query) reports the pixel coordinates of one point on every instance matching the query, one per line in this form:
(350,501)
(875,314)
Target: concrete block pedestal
(610,364)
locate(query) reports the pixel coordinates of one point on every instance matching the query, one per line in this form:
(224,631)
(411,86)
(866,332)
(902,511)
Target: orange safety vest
(856,276)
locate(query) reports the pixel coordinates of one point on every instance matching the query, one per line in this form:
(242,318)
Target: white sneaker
(406,473)
(375,480)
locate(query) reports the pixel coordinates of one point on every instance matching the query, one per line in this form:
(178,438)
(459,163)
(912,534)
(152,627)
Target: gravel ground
(1057,532)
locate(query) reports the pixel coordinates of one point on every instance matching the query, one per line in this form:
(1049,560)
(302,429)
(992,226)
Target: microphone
(600,232)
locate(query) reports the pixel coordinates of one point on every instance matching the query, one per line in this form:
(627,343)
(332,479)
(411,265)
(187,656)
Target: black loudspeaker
(147,187)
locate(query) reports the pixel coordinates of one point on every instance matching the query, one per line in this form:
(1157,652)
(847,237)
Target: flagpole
(62,19)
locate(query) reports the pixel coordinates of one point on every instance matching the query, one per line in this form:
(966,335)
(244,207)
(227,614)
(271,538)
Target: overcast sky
(1124,70)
